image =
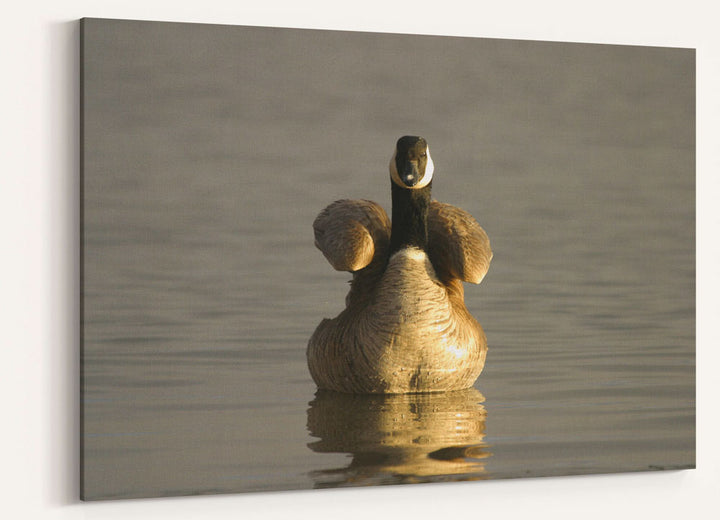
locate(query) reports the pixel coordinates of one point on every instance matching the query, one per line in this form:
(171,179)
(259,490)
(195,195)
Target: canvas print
(516,221)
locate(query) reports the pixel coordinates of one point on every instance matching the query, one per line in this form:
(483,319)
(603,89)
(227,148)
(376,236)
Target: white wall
(38,205)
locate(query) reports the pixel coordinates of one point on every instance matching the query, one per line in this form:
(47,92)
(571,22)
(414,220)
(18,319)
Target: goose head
(411,166)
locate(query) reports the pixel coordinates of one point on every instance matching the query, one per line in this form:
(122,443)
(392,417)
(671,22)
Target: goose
(405,327)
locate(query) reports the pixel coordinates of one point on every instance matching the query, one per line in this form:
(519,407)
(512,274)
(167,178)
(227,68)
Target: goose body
(405,327)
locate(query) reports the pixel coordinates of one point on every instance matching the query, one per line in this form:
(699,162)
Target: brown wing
(351,232)
(458,247)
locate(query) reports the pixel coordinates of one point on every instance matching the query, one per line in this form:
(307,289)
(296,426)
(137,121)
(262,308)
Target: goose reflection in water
(399,438)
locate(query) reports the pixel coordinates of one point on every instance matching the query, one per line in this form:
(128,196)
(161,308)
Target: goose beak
(410,174)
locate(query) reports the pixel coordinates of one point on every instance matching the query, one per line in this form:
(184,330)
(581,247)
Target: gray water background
(209,150)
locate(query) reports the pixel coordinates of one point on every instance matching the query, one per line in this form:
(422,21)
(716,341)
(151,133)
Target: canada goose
(405,327)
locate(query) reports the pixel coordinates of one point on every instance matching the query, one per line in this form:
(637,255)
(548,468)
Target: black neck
(409,217)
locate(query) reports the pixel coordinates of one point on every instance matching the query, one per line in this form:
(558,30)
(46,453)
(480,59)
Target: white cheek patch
(394,175)
(429,169)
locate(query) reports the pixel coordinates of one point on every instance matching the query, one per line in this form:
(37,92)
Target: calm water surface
(209,151)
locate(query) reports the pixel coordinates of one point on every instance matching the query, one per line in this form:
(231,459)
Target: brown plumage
(405,327)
